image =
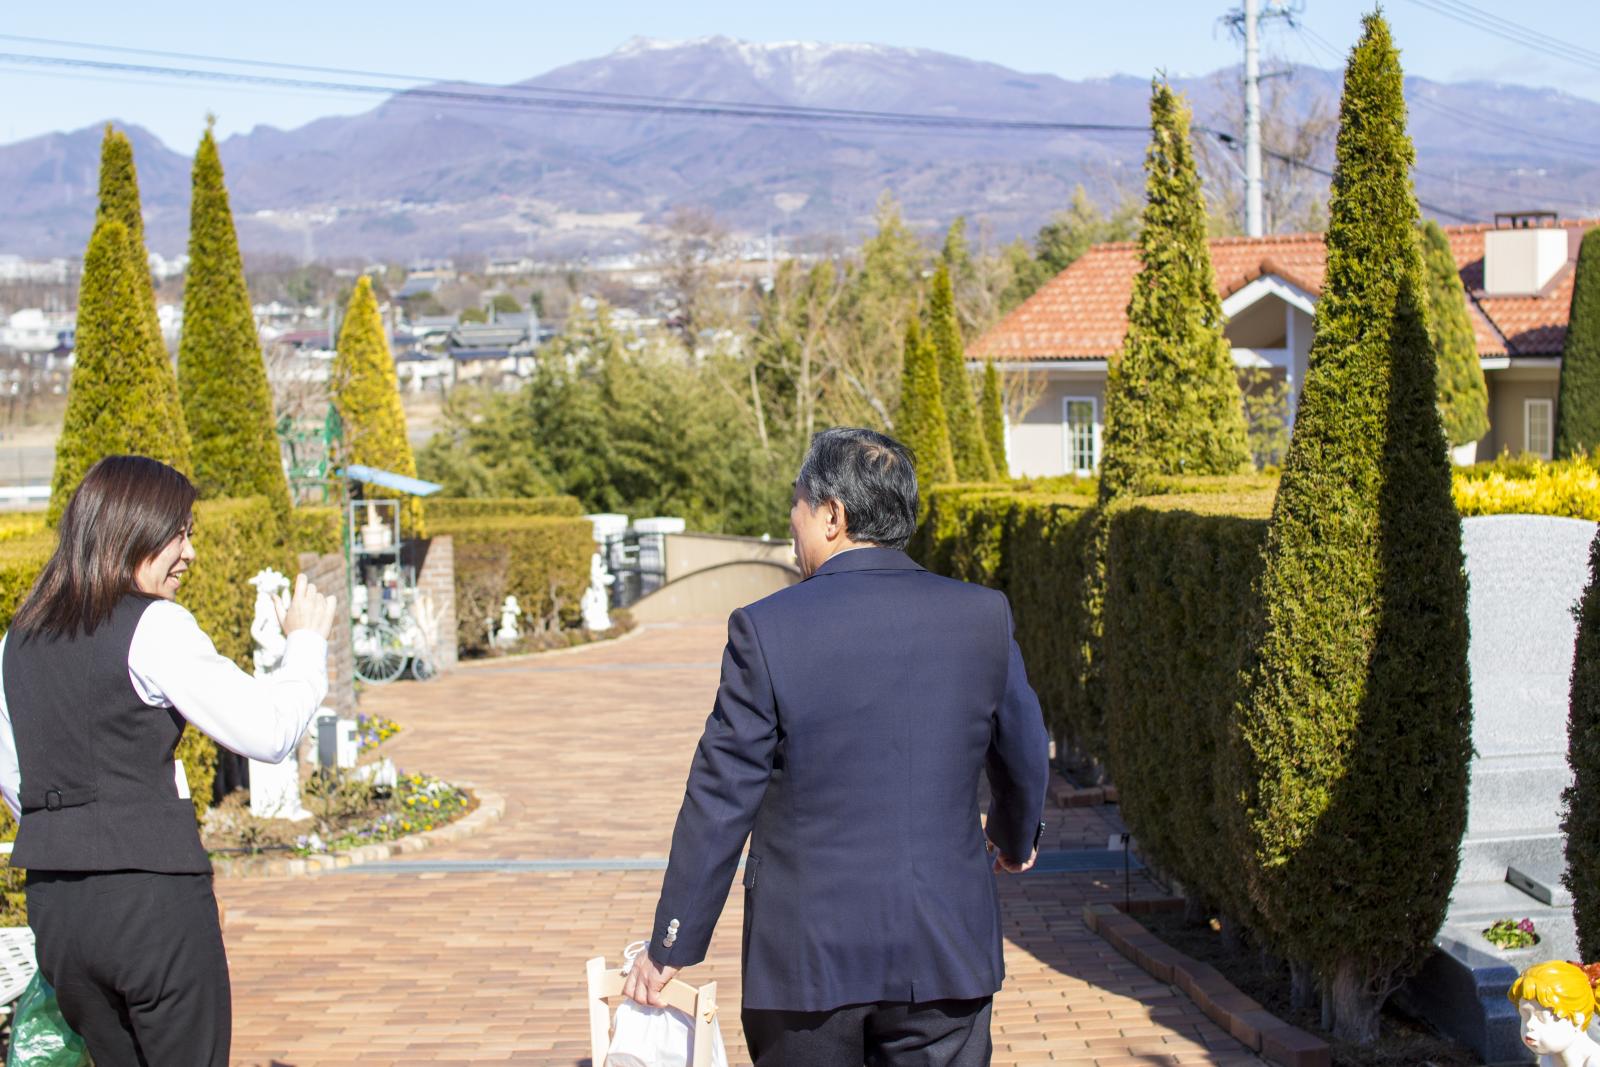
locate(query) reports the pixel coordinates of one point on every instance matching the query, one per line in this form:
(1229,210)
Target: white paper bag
(642,1036)
(658,1037)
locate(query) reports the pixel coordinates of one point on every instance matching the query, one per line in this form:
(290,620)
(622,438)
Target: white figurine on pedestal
(595,598)
(1556,1003)
(265,628)
(274,787)
(509,634)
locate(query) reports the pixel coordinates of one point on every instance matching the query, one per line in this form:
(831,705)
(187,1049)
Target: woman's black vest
(98,790)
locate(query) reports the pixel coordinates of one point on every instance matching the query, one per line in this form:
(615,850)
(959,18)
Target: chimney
(1522,253)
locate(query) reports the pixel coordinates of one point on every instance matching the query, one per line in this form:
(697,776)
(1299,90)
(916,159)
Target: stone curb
(1063,794)
(1251,1024)
(491,806)
(518,657)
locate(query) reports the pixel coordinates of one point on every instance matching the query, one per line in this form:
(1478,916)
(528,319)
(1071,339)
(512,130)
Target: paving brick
(589,750)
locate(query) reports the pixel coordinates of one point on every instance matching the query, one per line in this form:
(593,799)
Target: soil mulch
(1404,1041)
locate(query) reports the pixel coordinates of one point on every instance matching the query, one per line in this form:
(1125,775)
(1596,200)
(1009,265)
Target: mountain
(457,169)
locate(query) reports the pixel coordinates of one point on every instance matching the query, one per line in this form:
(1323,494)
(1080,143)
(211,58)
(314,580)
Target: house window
(1538,427)
(1081,426)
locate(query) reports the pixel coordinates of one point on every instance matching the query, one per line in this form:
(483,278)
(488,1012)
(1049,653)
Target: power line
(1514,32)
(477,95)
(436,80)
(504,99)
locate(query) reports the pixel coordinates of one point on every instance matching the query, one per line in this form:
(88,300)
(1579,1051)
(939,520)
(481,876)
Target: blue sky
(504,42)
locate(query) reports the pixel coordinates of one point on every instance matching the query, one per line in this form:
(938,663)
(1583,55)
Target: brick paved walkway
(403,964)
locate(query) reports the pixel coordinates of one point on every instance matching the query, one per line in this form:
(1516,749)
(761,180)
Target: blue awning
(391,480)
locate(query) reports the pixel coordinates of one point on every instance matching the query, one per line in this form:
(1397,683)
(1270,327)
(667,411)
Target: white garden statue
(596,598)
(274,787)
(1557,1004)
(510,612)
(265,628)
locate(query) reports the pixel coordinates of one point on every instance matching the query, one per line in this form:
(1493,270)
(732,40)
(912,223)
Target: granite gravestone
(1525,574)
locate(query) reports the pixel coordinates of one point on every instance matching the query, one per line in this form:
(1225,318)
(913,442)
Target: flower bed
(347,810)
(374,730)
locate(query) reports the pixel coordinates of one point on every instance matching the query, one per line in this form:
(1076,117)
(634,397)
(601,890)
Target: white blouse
(173,664)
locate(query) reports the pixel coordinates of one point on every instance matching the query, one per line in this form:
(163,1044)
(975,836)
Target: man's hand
(1004,864)
(645,981)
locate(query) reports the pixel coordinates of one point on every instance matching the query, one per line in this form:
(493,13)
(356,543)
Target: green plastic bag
(40,1037)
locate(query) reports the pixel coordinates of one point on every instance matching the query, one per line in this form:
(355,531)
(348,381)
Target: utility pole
(1252,119)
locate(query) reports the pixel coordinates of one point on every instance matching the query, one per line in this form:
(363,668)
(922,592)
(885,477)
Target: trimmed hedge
(314,529)
(1175,575)
(464,507)
(1180,566)
(1527,486)
(1580,822)
(542,560)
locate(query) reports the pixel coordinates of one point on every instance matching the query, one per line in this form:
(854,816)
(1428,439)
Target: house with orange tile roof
(1517,273)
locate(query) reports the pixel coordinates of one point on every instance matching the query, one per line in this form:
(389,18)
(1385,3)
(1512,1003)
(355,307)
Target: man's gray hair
(872,475)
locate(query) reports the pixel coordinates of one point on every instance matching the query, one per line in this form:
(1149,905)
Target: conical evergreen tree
(1354,733)
(227,403)
(920,421)
(1578,409)
(1580,823)
(973,462)
(992,407)
(1463,396)
(118,401)
(366,392)
(1173,404)
(119,200)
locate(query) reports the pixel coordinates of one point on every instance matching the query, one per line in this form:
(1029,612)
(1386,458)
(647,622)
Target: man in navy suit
(855,713)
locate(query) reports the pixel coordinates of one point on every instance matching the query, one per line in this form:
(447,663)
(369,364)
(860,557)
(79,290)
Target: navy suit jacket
(855,713)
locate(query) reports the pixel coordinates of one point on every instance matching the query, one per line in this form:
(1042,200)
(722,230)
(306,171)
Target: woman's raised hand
(307,609)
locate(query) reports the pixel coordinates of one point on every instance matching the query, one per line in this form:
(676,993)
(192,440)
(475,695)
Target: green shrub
(227,403)
(462,507)
(1175,575)
(1349,776)
(920,421)
(122,398)
(967,443)
(1578,409)
(314,529)
(1173,404)
(542,560)
(1580,823)
(1463,396)
(366,392)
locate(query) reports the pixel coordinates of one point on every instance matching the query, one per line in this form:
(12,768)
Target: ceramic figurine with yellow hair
(1557,1004)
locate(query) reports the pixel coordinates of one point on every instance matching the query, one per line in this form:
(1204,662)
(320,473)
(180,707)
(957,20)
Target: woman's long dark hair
(127,509)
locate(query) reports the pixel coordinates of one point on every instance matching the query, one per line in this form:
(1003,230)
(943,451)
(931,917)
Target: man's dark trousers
(856,713)
(943,1033)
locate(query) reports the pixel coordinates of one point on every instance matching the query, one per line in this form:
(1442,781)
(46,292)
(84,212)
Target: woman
(98,674)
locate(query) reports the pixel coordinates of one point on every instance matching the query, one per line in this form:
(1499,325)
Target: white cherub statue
(1556,1003)
(509,613)
(265,627)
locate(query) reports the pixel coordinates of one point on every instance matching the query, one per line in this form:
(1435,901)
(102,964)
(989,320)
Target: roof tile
(1081,313)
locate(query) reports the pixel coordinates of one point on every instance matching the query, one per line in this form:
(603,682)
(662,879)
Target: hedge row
(463,507)
(1180,571)
(1522,486)
(542,560)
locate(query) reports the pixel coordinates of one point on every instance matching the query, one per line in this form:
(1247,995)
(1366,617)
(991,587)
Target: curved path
(473,953)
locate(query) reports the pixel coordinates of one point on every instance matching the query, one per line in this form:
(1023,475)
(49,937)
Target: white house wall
(1037,445)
